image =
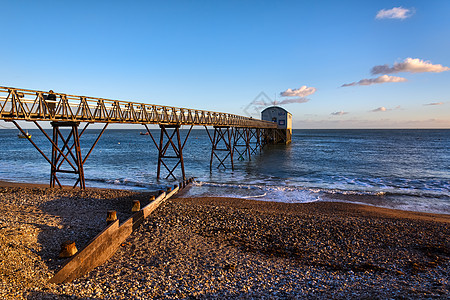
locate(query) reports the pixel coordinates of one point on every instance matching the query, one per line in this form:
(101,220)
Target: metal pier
(233,135)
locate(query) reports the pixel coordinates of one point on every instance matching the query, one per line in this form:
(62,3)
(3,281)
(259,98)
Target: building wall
(283,118)
(279,115)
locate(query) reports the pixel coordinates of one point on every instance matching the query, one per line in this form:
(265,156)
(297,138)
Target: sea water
(404,169)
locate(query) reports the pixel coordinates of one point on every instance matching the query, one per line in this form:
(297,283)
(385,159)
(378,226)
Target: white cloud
(339,113)
(300,92)
(381,79)
(412,65)
(379,109)
(435,103)
(382,109)
(394,13)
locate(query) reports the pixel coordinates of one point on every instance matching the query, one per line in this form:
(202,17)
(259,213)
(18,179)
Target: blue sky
(221,55)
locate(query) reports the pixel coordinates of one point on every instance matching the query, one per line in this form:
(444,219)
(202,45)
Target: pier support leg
(170,147)
(270,137)
(247,143)
(222,141)
(66,155)
(63,152)
(264,137)
(259,140)
(255,140)
(241,143)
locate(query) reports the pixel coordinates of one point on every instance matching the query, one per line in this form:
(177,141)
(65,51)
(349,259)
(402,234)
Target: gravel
(34,222)
(225,248)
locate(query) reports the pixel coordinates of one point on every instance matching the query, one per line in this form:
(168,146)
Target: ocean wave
(289,194)
(267,189)
(251,192)
(126,183)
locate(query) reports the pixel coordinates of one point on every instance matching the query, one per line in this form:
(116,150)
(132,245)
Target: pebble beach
(222,248)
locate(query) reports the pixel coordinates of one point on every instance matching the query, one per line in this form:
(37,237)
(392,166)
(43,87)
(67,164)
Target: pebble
(220,248)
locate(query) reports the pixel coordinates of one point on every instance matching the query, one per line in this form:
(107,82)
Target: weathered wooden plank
(86,254)
(148,209)
(106,243)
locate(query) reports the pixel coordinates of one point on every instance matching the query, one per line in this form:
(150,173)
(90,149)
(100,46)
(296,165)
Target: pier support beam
(276,136)
(246,142)
(241,143)
(64,158)
(255,140)
(222,142)
(170,147)
(65,154)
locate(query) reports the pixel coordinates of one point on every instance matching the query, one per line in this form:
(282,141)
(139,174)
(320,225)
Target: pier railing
(31,105)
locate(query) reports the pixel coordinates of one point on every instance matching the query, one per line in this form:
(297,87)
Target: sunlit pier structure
(233,135)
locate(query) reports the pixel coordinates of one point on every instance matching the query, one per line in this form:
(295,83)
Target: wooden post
(68,249)
(111,216)
(136,206)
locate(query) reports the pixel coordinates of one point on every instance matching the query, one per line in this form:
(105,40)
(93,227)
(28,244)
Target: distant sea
(403,169)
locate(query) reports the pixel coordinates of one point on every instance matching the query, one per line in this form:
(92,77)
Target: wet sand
(224,248)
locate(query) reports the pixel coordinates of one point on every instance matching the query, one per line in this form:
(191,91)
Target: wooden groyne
(106,243)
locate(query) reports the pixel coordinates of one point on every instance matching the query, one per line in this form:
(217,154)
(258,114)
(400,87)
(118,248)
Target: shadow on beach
(79,216)
(52,296)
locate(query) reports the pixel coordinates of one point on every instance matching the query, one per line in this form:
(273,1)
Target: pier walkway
(231,133)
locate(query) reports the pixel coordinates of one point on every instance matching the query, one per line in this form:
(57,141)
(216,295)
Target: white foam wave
(253,192)
(289,194)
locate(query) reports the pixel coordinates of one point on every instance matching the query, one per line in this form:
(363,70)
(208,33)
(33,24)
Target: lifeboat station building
(283,118)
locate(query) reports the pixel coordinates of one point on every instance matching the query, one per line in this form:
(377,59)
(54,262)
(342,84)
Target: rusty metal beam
(166,142)
(222,142)
(63,152)
(241,143)
(58,152)
(31,105)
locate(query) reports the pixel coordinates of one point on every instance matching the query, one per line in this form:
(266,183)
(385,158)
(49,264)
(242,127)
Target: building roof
(277,107)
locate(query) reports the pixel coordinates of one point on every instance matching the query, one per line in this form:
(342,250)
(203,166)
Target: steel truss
(31,105)
(255,140)
(64,159)
(246,142)
(175,145)
(222,142)
(275,136)
(241,143)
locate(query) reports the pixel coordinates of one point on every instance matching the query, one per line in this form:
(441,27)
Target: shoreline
(351,199)
(5,183)
(360,209)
